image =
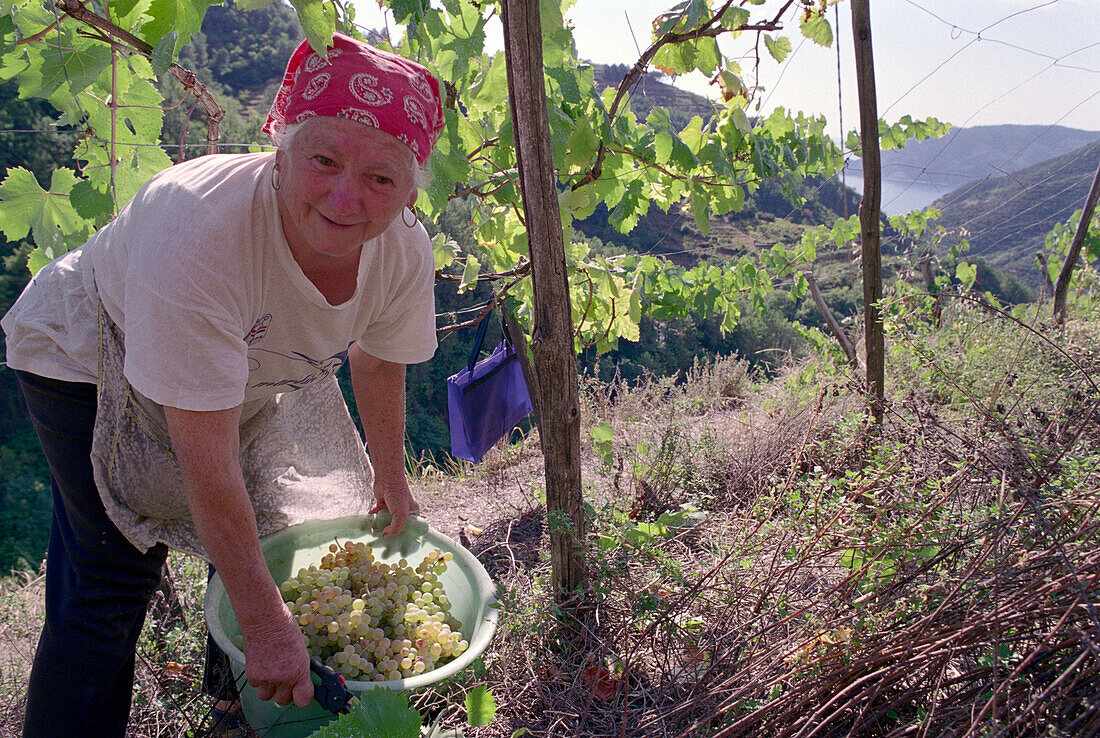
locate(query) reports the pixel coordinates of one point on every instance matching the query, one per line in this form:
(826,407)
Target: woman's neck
(336,282)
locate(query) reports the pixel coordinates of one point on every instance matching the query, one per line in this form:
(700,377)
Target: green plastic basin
(466,582)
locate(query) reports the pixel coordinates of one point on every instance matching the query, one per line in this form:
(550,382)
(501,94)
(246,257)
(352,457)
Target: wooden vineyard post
(552,337)
(1061,287)
(869,208)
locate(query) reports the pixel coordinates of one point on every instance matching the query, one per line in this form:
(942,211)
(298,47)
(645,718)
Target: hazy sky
(966,62)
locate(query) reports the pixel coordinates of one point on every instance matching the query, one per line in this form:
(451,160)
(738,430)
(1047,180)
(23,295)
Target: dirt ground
(498,488)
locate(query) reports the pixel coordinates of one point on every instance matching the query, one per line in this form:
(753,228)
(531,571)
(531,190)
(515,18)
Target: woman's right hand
(276,661)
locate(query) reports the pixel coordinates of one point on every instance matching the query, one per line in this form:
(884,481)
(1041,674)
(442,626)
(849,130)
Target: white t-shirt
(196,272)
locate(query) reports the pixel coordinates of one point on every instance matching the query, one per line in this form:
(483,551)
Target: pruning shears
(332,693)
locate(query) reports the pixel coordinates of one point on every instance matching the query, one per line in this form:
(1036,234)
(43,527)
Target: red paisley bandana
(364,84)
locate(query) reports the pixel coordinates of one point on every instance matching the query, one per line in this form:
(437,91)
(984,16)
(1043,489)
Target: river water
(901,196)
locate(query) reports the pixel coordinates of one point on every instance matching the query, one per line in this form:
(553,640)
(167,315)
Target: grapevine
(374,621)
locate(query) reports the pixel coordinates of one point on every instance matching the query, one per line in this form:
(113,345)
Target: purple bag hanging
(487,399)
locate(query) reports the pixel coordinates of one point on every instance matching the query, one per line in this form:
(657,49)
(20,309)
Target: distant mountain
(654,91)
(1007,217)
(968,155)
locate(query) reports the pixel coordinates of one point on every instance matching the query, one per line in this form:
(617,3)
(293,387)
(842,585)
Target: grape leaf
(36,260)
(381,713)
(29,18)
(318,21)
(403,10)
(798,289)
(966,273)
(164,52)
(12,64)
(48,214)
(817,29)
(778,47)
(469,274)
(50,72)
(662,146)
(556,38)
(126,13)
(707,57)
(581,147)
(735,18)
(465,43)
(444,250)
(480,707)
(89,202)
(183,16)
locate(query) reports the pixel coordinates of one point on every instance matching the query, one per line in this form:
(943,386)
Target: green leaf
(581,148)
(662,146)
(7,24)
(643,533)
(579,203)
(48,214)
(700,208)
(817,29)
(852,559)
(735,18)
(798,289)
(685,517)
(779,47)
(444,249)
(50,71)
(253,4)
(91,203)
(121,8)
(182,16)
(480,707)
(602,433)
(381,713)
(164,52)
(556,37)
(318,21)
(675,59)
(469,274)
(29,18)
(966,274)
(36,260)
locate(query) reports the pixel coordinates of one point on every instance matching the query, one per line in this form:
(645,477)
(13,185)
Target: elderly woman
(179,370)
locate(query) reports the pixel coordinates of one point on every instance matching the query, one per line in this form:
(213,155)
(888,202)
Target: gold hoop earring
(275,185)
(407,223)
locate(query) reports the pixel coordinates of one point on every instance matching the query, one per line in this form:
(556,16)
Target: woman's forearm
(206,446)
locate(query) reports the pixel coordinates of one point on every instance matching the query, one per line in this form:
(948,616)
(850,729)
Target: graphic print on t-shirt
(259,328)
(312,370)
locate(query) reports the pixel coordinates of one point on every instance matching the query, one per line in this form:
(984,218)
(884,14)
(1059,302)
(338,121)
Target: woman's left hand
(396,497)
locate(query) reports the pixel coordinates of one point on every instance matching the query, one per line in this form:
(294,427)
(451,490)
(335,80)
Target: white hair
(282,137)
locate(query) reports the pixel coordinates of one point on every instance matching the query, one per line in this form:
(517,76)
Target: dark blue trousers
(98,585)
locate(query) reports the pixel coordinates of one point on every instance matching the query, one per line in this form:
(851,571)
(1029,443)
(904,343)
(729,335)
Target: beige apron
(301,457)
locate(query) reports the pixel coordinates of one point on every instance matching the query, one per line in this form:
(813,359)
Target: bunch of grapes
(374,621)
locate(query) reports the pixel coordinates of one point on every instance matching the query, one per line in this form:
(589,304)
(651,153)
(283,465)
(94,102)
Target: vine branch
(214,112)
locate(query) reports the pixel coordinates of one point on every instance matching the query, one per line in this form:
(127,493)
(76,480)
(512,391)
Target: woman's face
(341,184)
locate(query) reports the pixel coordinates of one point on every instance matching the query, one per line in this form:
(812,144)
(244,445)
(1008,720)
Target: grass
(763,561)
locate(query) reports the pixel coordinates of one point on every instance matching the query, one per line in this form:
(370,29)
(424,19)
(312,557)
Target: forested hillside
(1006,218)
